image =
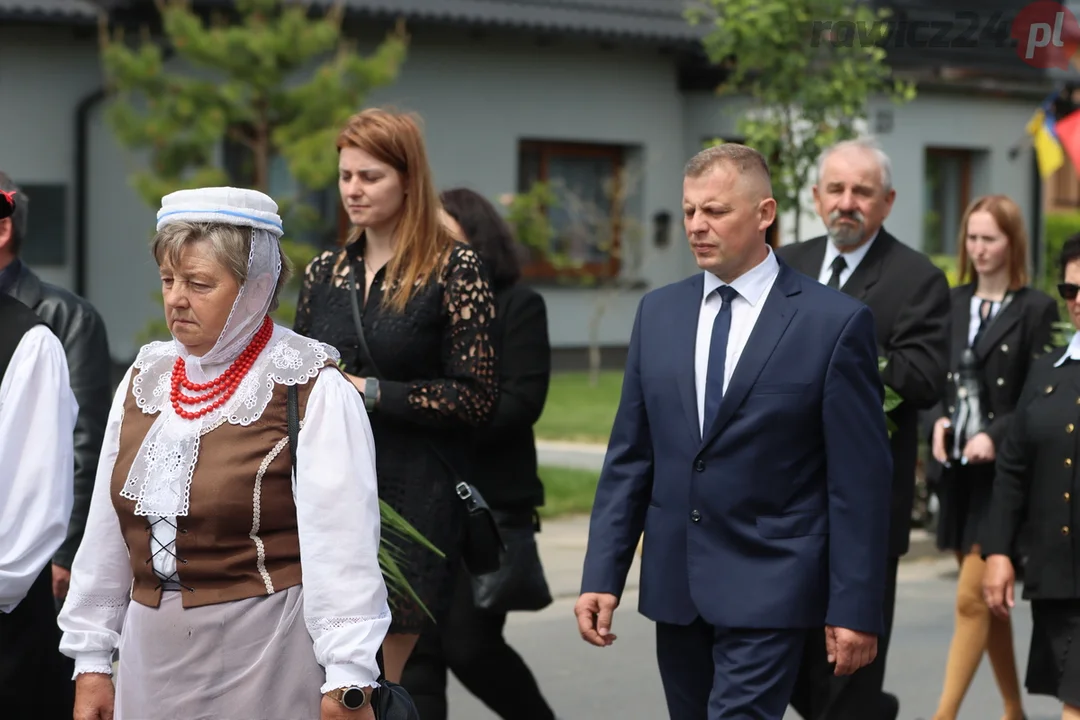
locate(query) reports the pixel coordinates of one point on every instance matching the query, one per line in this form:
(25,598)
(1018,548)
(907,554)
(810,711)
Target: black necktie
(714,379)
(839,264)
(985,308)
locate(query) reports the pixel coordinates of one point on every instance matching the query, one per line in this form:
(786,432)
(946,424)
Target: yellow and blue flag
(1048,151)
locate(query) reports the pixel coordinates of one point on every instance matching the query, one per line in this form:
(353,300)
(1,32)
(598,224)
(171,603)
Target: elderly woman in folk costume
(256,592)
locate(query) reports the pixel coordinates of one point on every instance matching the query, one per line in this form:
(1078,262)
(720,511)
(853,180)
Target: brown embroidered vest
(239,539)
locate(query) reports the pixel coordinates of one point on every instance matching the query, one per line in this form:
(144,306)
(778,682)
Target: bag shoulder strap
(359,322)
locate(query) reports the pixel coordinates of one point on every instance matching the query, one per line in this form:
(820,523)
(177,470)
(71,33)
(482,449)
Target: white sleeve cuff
(93,662)
(338,676)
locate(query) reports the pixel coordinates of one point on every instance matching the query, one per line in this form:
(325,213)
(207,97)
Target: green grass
(577,411)
(567,491)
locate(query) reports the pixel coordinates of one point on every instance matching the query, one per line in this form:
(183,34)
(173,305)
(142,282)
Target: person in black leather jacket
(81,331)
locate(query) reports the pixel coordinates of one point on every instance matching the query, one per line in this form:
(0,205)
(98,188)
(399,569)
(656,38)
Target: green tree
(270,81)
(808,67)
(265,79)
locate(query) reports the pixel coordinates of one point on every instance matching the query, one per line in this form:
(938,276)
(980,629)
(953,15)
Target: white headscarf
(160,477)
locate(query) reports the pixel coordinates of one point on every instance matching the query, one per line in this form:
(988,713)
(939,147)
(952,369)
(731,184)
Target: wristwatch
(352,697)
(371,393)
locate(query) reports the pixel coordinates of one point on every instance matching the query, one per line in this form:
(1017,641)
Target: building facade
(511,91)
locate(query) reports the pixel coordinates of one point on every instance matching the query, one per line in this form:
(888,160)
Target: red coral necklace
(221,387)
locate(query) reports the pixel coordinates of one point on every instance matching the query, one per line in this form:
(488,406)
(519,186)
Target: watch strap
(371,393)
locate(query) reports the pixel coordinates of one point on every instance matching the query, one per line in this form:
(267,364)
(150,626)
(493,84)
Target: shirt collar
(854,257)
(9,275)
(751,285)
(1072,352)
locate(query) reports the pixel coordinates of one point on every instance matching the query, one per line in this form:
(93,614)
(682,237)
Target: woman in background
(1000,326)
(427,369)
(470,641)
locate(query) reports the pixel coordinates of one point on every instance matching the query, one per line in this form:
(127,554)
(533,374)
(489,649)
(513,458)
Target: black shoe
(890,706)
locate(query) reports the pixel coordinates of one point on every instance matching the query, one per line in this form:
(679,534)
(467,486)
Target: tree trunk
(261,150)
(600,305)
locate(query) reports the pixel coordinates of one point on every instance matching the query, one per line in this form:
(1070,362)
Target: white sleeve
(337,514)
(97,600)
(37,461)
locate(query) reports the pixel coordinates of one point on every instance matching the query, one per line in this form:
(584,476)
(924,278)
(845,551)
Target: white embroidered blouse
(337,510)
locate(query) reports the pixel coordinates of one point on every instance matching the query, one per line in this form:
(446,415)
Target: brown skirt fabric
(1054,659)
(245,660)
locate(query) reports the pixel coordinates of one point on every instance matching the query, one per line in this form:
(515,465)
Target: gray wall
(989,126)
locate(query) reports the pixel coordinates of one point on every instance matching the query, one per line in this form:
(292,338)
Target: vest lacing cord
(171,582)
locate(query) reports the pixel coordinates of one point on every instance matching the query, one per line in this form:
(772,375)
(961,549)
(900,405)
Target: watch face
(353,699)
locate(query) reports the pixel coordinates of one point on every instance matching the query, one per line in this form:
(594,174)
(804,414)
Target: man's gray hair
(230,246)
(22,212)
(867,144)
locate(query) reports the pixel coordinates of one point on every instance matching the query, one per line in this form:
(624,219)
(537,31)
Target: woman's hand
(937,443)
(999,581)
(94,697)
(979,449)
(333,710)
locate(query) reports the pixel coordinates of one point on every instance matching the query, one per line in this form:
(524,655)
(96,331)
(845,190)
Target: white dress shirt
(1072,352)
(753,288)
(853,258)
(975,319)
(37,461)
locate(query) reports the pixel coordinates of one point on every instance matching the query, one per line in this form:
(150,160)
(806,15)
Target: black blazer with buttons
(1035,482)
(1019,334)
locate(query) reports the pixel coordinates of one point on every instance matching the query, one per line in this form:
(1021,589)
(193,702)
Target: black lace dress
(439,381)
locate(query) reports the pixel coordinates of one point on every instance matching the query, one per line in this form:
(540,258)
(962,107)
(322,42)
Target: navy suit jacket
(779,517)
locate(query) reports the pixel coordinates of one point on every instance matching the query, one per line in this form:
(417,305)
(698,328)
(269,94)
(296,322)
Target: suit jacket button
(1069,428)
(1068,462)
(695,515)
(1065,530)
(700,466)
(1000,381)
(1067,496)
(1004,348)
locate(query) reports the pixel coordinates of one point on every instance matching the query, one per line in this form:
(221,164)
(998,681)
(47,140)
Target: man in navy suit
(750,447)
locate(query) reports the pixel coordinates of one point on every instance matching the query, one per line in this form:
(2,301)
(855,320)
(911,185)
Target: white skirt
(244,660)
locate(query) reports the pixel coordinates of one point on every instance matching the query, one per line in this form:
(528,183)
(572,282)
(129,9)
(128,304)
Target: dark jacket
(1035,482)
(1017,336)
(505,469)
(82,333)
(909,298)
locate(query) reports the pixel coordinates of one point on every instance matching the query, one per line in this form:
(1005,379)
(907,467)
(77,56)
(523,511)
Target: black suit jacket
(505,465)
(1020,333)
(1035,478)
(909,298)
(82,333)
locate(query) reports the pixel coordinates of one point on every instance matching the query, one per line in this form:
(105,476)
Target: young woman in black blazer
(1035,485)
(470,640)
(999,327)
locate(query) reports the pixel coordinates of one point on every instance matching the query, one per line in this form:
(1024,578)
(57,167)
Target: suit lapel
(1007,317)
(961,319)
(774,319)
(869,270)
(685,324)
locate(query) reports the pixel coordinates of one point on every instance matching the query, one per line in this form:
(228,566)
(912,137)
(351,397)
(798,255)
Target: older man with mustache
(909,298)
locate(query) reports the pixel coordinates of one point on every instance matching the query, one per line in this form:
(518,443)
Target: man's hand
(850,650)
(61,581)
(999,581)
(94,697)
(979,449)
(331,709)
(594,611)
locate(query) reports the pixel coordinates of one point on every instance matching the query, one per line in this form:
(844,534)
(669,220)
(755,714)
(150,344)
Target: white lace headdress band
(160,476)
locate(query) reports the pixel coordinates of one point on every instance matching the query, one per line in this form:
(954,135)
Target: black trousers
(35,679)
(820,695)
(470,642)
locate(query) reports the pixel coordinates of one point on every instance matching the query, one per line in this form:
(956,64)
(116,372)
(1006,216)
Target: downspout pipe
(82,182)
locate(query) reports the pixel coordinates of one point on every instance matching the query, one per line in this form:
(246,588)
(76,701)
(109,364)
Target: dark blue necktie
(714,382)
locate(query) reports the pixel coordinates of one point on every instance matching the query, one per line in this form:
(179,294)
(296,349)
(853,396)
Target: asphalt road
(587,683)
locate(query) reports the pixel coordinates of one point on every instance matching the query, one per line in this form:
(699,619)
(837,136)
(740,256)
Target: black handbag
(519,583)
(482,545)
(390,701)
